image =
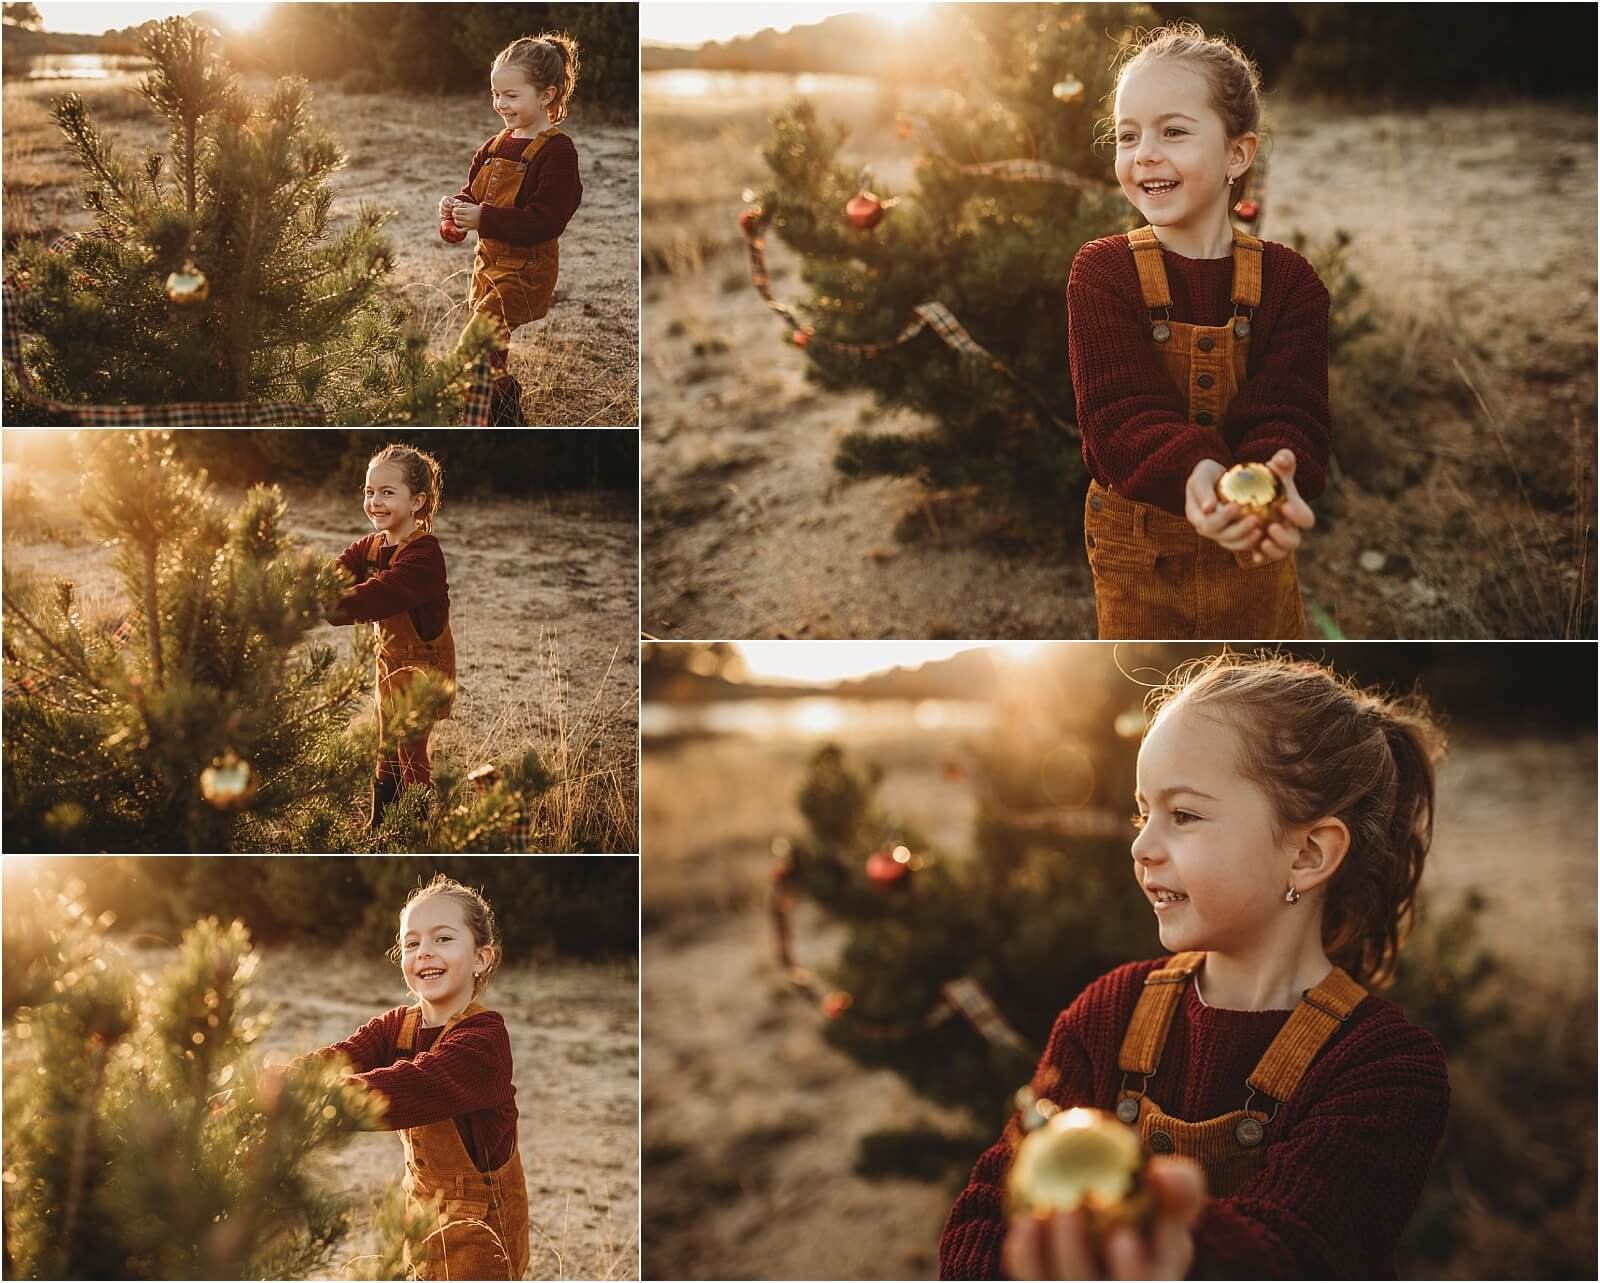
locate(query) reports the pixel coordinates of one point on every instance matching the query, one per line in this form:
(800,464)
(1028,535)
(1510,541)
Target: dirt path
(751,1122)
(578,366)
(543,604)
(750,532)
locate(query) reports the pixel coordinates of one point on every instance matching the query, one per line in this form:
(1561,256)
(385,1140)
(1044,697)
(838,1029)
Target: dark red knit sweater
(414,580)
(467,1077)
(550,194)
(1346,1156)
(1136,435)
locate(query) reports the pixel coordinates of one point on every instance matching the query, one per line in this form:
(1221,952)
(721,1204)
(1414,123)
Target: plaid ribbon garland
(934,315)
(188,414)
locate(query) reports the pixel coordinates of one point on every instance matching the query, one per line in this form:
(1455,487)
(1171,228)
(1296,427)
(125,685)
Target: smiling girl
(1284,818)
(444,1066)
(1194,347)
(522,189)
(401,587)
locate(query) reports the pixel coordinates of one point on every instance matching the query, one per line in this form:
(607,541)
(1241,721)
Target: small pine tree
(142,1142)
(207,721)
(292,307)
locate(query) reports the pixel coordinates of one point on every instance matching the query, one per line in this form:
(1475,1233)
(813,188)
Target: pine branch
(12,605)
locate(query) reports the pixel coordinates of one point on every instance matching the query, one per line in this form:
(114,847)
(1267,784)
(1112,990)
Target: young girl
(1284,818)
(1194,347)
(401,587)
(444,1065)
(522,189)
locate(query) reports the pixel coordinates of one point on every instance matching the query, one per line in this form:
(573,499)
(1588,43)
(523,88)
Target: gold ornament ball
(229,782)
(1068,90)
(1081,1158)
(1254,487)
(188,286)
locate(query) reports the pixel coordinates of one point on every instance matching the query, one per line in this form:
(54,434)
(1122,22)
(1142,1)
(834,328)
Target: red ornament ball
(448,231)
(864,210)
(836,1004)
(800,337)
(889,868)
(1248,210)
(750,221)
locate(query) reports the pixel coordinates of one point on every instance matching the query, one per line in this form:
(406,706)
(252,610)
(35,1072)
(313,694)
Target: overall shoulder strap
(1247,255)
(1146,1038)
(471,1009)
(373,544)
(1323,1009)
(407,1041)
(1152,271)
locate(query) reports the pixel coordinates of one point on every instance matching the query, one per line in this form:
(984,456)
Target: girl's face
(437,952)
(389,503)
(1172,152)
(1207,835)
(516,101)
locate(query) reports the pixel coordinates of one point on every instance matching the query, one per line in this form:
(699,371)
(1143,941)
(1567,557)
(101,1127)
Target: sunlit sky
(89,17)
(836,661)
(694,24)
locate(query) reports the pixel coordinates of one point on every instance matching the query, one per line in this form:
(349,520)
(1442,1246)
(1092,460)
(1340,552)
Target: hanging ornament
(1254,487)
(188,285)
(448,231)
(1079,1159)
(750,220)
(1069,89)
(229,782)
(888,869)
(800,337)
(836,1004)
(1247,211)
(864,210)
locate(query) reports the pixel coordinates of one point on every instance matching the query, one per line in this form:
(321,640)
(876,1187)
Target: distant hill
(850,44)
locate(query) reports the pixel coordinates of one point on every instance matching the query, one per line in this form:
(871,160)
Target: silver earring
(1291,896)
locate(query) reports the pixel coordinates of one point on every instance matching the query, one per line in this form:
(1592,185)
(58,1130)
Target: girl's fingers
(1126,1257)
(1069,1256)
(1285,536)
(1241,534)
(1021,1253)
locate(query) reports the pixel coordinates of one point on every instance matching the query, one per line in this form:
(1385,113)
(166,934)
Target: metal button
(1128,1111)
(1160,1143)
(1249,1132)
(1203,418)
(1241,327)
(1206,380)
(488,1180)
(1094,503)
(1161,332)
(1205,343)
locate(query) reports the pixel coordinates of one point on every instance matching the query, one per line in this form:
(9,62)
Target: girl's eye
(1182,818)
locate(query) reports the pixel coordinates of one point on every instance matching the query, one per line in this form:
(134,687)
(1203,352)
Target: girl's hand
(464,214)
(1057,1247)
(1283,535)
(445,203)
(1220,522)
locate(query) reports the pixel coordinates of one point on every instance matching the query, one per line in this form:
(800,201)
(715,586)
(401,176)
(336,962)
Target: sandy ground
(1476,250)
(752,1123)
(577,366)
(543,605)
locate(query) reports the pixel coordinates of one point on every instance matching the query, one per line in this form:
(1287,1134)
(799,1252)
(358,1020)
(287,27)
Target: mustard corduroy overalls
(1155,576)
(512,283)
(1231,1147)
(482,1227)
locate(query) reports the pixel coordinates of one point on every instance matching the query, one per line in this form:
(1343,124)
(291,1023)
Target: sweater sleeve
(416,575)
(1136,437)
(370,1046)
(354,557)
(479,159)
(1336,1193)
(969,1248)
(468,1069)
(1284,402)
(550,195)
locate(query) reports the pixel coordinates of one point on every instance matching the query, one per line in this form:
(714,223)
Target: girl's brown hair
(474,908)
(1321,746)
(548,59)
(1233,79)
(423,476)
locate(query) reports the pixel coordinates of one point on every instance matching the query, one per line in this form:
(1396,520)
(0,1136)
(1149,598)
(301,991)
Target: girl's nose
(1144,847)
